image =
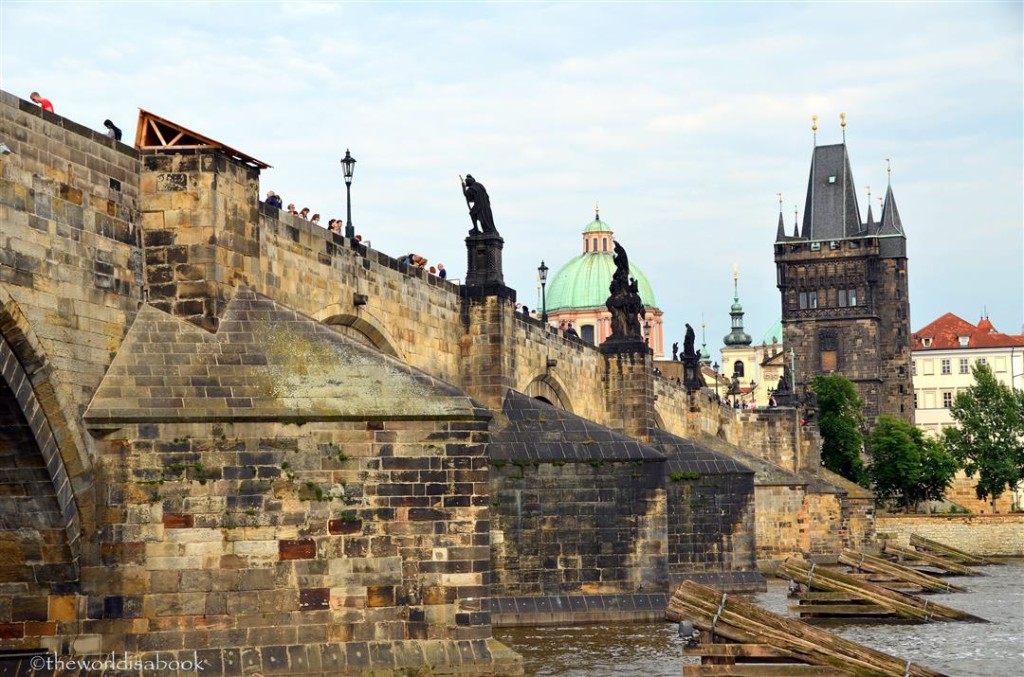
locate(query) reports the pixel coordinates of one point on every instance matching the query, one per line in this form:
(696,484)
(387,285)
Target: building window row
(946,365)
(845,298)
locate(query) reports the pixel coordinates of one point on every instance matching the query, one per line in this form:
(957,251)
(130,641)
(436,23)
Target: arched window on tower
(737,368)
(595,244)
(587,333)
(586,245)
(604,244)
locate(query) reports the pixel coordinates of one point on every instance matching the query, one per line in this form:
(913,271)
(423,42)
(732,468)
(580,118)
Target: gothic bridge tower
(845,305)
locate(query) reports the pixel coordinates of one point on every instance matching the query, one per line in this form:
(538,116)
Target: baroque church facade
(844,288)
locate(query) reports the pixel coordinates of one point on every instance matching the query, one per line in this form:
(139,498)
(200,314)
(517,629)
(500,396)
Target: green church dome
(583,283)
(597,226)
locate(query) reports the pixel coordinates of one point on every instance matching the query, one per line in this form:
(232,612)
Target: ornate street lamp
(542,275)
(715,367)
(647,332)
(734,388)
(348,164)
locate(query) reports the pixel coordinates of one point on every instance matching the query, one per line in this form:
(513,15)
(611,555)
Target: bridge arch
(41,447)
(547,388)
(361,326)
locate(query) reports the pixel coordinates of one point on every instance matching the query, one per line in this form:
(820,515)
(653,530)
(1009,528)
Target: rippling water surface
(993,649)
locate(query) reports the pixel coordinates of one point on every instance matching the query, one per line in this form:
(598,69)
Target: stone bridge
(226,430)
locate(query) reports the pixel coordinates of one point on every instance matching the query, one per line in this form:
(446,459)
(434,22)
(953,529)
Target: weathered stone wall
(291,539)
(712,523)
(996,535)
(578,527)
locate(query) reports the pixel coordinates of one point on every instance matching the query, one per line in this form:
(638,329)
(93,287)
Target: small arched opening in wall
(361,327)
(546,388)
(43,465)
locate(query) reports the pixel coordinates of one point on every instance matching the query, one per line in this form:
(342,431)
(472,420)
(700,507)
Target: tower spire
(842,123)
(780,233)
(736,337)
(888,170)
(796,222)
(814,128)
(597,211)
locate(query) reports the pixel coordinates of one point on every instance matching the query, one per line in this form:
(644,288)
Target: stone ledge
(508,612)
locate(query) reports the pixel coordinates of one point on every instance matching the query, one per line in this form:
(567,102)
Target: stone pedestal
(483,261)
(628,382)
(692,378)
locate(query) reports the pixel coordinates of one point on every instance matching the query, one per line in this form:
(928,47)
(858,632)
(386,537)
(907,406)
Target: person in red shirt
(43,103)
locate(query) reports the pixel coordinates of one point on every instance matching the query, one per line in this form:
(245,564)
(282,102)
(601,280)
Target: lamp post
(348,164)
(753,390)
(542,275)
(715,367)
(647,332)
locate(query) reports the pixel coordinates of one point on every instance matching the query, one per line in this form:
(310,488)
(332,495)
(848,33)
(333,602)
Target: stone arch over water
(362,327)
(547,388)
(43,463)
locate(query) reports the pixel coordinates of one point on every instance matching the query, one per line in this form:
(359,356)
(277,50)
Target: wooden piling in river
(949,552)
(877,565)
(898,603)
(767,636)
(917,556)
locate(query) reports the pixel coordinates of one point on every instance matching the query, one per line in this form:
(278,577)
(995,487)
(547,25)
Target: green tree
(989,437)
(839,420)
(907,467)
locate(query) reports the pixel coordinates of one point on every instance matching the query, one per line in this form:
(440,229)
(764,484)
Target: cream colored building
(943,354)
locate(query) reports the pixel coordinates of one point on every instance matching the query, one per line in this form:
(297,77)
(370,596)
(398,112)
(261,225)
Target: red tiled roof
(946,331)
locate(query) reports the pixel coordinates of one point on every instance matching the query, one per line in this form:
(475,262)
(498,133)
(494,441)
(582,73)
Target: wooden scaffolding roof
(156,133)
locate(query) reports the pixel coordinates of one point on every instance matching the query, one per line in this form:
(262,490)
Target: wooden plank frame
(152,133)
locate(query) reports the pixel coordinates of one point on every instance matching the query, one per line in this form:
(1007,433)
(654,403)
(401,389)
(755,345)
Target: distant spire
(814,128)
(890,223)
(705,356)
(842,123)
(796,223)
(780,234)
(736,337)
(871,218)
(888,169)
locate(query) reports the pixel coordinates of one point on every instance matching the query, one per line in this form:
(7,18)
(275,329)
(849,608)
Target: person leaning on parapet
(113,131)
(43,103)
(441,272)
(291,209)
(274,200)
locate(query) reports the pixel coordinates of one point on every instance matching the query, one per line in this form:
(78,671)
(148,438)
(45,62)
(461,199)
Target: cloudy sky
(684,120)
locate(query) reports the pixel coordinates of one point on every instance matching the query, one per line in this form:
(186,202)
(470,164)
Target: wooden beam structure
(156,133)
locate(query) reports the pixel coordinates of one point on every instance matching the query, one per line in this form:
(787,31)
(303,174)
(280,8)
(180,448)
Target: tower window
(595,244)
(852,295)
(842,298)
(812,299)
(604,244)
(586,245)
(737,368)
(587,333)
(803,300)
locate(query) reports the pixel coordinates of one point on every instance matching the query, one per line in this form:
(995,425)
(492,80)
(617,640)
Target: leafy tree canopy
(839,420)
(989,438)
(907,467)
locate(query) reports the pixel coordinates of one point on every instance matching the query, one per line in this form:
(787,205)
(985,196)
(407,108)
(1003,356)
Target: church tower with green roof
(578,291)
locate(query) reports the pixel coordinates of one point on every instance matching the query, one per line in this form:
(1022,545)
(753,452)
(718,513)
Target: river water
(957,649)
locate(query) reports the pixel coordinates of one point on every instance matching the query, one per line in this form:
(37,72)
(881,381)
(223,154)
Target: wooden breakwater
(890,573)
(857,597)
(949,552)
(771,644)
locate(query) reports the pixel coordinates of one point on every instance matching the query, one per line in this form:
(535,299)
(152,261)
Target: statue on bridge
(624,303)
(688,349)
(479,204)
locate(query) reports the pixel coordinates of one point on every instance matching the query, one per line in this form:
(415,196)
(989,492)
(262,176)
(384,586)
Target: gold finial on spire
(735,271)
(597,211)
(888,169)
(814,128)
(780,202)
(869,195)
(842,123)
(881,201)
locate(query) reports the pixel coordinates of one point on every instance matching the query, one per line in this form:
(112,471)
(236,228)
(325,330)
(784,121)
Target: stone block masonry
(985,535)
